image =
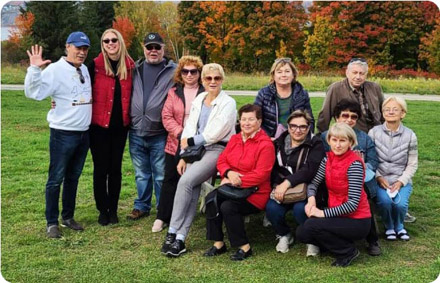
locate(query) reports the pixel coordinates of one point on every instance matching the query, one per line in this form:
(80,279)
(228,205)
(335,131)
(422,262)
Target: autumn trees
(246,36)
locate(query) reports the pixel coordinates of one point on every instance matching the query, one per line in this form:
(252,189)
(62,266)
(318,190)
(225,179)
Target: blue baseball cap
(78,39)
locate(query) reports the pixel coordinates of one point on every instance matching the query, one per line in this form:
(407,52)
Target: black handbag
(230,192)
(193,153)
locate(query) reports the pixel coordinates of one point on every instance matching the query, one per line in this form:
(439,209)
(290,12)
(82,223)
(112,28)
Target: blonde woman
(211,123)
(348,216)
(282,96)
(111,76)
(396,148)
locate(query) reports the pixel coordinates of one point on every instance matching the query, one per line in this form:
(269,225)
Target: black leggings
(336,234)
(232,212)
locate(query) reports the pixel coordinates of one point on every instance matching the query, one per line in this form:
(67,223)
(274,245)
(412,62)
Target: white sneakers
(312,250)
(158,226)
(284,243)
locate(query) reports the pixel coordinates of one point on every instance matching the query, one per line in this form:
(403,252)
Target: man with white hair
(356,88)
(67,82)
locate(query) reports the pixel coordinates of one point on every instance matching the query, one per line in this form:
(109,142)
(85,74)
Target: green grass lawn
(14,74)
(129,251)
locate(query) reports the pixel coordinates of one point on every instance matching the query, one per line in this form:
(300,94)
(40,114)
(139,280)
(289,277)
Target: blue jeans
(393,211)
(276,214)
(148,157)
(68,152)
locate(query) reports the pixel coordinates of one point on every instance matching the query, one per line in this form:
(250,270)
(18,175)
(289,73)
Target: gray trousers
(188,189)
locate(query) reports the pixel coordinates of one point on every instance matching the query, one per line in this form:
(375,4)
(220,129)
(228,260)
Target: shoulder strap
(299,159)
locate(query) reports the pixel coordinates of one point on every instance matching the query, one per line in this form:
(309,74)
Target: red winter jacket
(103,93)
(336,180)
(253,159)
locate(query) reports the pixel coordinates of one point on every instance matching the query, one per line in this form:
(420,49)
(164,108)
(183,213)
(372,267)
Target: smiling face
(393,112)
(76,55)
(154,53)
(348,117)
(111,45)
(339,145)
(356,75)
(283,75)
(298,129)
(212,81)
(190,74)
(249,123)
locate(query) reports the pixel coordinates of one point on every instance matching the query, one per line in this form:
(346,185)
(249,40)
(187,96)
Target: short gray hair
(359,62)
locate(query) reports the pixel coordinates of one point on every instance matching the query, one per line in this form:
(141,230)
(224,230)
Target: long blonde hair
(121,72)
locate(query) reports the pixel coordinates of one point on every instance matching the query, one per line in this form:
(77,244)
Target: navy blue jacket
(266,99)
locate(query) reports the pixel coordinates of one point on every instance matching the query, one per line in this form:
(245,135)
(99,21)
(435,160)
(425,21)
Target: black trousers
(336,235)
(107,147)
(169,186)
(232,212)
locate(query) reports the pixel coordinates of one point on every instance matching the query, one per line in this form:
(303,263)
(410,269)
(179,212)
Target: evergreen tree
(53,23)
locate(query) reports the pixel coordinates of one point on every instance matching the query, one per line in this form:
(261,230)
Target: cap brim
(153,42)
(81,43)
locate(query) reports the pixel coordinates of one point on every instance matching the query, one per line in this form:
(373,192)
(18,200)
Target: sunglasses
(107,40)
(361,60)
(302,128)
(216,78)
(153,46)
(284,60)
(353,117)
(193,72)
(81,77)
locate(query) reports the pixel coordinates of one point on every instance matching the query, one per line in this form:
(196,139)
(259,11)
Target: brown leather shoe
(137,214)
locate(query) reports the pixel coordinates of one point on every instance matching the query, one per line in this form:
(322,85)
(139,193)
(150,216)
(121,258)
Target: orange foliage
(23,27)
(126,28)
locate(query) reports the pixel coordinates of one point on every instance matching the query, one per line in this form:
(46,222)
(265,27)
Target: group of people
(367,158)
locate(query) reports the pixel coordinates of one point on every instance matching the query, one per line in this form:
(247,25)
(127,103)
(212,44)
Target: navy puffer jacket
(266,99)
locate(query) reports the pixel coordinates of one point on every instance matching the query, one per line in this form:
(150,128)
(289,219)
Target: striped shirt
(355,176)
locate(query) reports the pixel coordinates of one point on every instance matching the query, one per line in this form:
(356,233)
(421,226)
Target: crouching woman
(348,216)
(246,162)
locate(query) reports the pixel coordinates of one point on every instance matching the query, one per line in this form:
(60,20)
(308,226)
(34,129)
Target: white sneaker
(312,250)
(283,243)
(266,222)
(158,226)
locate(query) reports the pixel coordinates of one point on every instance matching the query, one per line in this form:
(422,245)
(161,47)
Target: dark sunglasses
(302,128)
(216,78)
(107,40)
(353,117)
(357,60)
(153,46)
(193,72)
(81,77)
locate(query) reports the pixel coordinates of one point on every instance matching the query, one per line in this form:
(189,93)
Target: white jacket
(73,99)
(221,121)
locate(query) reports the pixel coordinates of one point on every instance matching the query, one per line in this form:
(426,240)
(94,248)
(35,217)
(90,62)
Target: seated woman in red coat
(247,161)
(348,216)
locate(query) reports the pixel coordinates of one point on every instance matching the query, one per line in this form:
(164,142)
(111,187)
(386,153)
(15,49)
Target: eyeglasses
(387,110)
(193,72)
(302,128)
(153,46)
(216,78)
(80,74)
(353,117)
(107,40)
(358,60)
(284,60)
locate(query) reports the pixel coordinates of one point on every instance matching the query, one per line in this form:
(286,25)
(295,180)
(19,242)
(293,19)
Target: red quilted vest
(336,180)
(103,93)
